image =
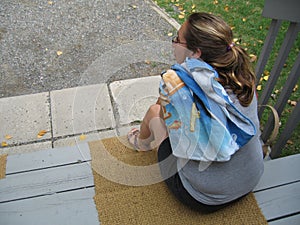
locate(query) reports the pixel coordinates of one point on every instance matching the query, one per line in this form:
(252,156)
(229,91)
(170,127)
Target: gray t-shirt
(221,182)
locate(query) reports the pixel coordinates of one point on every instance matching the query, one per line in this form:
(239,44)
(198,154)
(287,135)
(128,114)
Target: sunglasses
(175,40)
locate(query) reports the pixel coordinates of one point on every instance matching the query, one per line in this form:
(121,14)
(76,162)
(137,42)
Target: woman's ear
(196,54)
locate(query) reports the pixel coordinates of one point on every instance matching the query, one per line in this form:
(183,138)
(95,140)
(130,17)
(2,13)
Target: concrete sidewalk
(74,115)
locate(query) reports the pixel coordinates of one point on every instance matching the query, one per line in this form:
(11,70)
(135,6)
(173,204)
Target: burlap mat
(152,204)
(3,159)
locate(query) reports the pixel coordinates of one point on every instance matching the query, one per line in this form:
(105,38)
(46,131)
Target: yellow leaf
(236,40)
(82,137)
(41,133)
(252,58)
(4,144)
(226,8)
(216,2)
(59,53)
(295,88)
(258,87)
(266,77)
(50,2)
(244,19)
(292,103)
(181,16)
(193,6)
(170,34)
(7,137)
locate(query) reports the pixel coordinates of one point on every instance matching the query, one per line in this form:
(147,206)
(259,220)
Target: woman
(214,183)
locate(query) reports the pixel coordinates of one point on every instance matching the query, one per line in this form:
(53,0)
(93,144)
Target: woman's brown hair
(214,38)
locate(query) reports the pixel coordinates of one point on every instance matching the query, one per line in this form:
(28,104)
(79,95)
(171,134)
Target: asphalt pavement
(52,45)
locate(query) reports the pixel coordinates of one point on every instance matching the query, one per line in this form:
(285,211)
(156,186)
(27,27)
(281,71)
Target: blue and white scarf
(202,121)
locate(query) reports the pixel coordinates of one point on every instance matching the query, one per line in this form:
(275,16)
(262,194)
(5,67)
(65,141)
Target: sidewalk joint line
(114,107)
(51,120)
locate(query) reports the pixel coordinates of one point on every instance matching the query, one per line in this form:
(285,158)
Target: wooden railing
(279,11)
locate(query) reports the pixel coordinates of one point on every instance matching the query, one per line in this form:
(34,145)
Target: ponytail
(214,37)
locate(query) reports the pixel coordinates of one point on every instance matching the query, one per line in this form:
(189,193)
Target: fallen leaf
(295,88)
(7,137)
(170,34)
(252,58)
(290,142)
(216,2)
(41,133)
(181,16)
(4,144)
(50,2)
(266,77)
(82,137)
(292,103)
(258,87)
(237,40)
(244,19)
(193,6)
(226,8)
(59,53)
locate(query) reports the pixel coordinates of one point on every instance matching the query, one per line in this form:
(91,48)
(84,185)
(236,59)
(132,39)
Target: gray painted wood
(282,10)
(284,51)
(280,171)
(70,208)
(47,158)
(279,11)
(280,201)
(267,48)
(291,125)
(46,182)
(292,220)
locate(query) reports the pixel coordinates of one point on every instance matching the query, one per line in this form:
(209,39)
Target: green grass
(250,30)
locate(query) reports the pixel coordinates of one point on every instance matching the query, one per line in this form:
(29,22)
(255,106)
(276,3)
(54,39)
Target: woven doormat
(150,204)
(3,159)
